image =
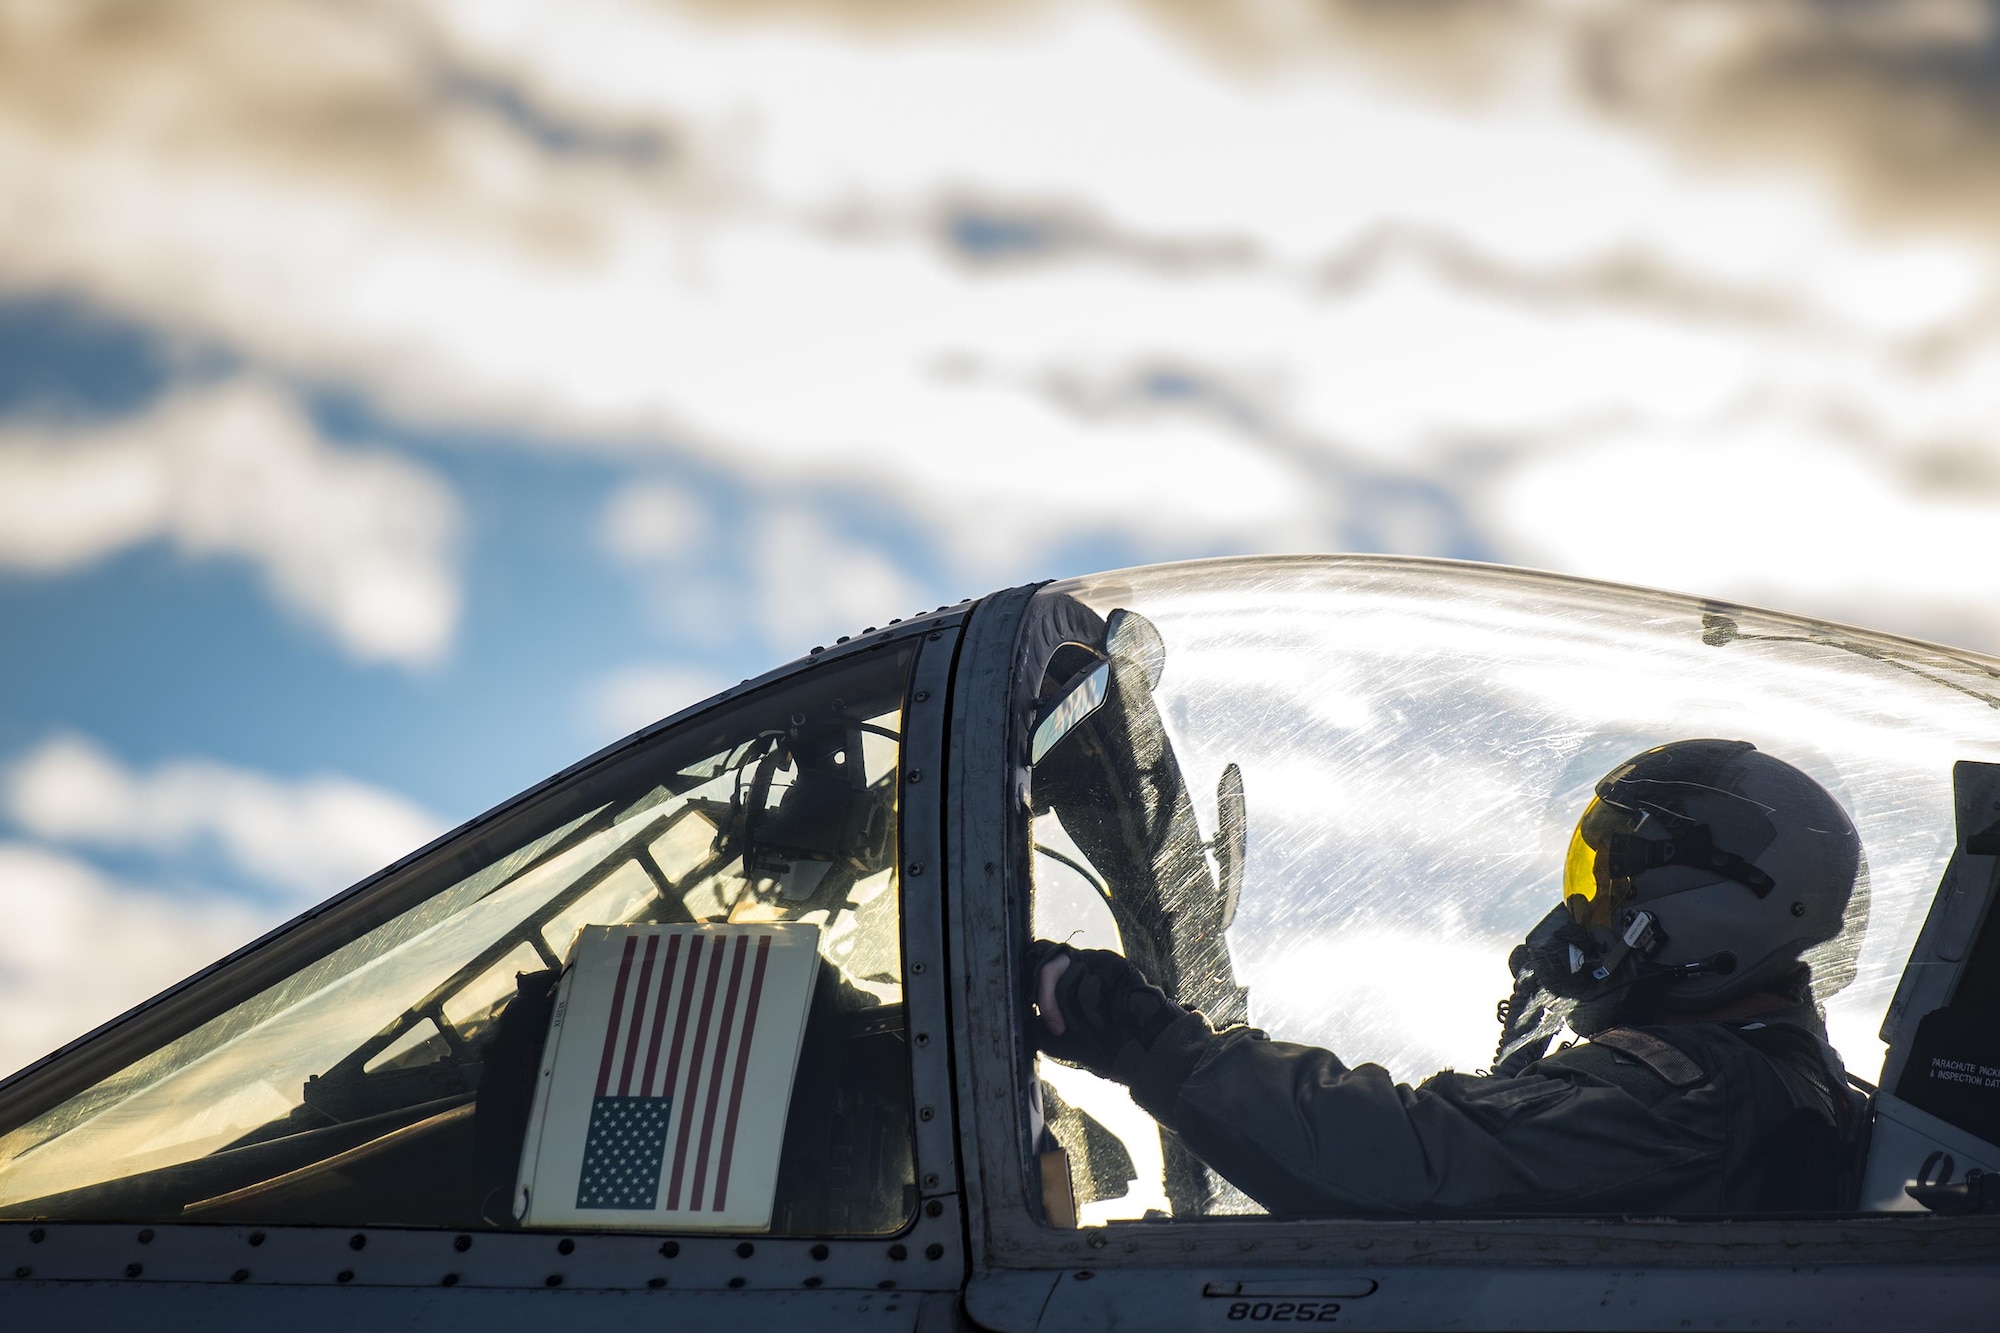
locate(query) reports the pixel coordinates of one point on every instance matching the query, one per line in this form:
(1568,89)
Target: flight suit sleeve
(1305,1135)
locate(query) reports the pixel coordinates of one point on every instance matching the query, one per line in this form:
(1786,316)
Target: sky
(400,401)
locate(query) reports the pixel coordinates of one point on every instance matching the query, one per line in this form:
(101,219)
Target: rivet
(842,639)
(256,1238)
(134,1270)
(1096,1241)
(1798,909)
(462,1244)
(146,1236)
(565,1246)
(670,1248)
(869,630)
(814,1280)
(917,967)
(552,1280)
(736,1281)
(899,1252)
(450,1279)
(745,1250)
(655,1283)
(1084,1275)
(989,867)
(925,1113)
(923,1039)
(820,1252)
(916,867)
(930,1181)
(344,1275)
(24,1271)
(933,1251)
(37,1236)
(935,1208)
(357,1241)
(916,775)
(935,635)
(240,1275)
(817,651)
(923,696)
(886,1284)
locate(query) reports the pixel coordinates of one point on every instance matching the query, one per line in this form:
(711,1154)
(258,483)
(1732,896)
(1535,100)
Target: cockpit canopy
(1412,744)
(378,1064)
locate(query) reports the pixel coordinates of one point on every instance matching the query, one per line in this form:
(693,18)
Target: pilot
(1701,1080)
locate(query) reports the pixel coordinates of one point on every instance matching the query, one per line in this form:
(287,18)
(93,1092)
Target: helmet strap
(1639,939)
(1686,844)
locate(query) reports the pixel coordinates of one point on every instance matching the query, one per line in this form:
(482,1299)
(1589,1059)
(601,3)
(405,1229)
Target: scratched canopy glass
(387,1079)
(1410,745)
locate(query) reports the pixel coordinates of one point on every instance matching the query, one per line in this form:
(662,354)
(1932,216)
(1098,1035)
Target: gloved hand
(1092,1004)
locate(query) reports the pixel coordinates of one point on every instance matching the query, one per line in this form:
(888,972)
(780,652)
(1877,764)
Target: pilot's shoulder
(1641,1061)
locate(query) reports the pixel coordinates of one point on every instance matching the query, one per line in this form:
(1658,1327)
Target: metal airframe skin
(979,1253)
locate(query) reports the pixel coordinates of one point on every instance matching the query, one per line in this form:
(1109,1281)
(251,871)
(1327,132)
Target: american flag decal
(666,1080)
(671,1072)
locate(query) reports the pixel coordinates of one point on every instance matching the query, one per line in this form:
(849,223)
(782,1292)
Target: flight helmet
(1706,867)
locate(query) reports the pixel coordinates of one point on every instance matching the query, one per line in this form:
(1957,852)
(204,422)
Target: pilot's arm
(1304,1134)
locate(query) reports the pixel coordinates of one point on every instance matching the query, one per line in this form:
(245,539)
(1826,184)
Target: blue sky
(170,654)
(165,654)
(399,402)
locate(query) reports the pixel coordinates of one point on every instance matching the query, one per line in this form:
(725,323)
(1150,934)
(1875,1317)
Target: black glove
(1106,1003)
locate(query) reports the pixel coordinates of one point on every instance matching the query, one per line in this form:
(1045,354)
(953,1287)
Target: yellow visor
(1587,889)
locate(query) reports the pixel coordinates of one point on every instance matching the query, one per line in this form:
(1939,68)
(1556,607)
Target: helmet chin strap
(1605,1007)
(1638,942)
(1719,964)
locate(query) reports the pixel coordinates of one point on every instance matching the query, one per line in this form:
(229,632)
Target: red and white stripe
(683,1017)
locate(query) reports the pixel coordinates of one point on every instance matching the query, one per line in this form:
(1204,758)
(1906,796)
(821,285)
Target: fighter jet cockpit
(1345,878)
(388,1069)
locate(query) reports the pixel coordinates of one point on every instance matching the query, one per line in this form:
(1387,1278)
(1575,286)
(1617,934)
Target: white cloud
(711,298)
(627,700)
(80,949)
(1302,154)
(1366,279)
(1763,514)
(813,583)
(360,542)
(793,575)
(308,836)
(653,520)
